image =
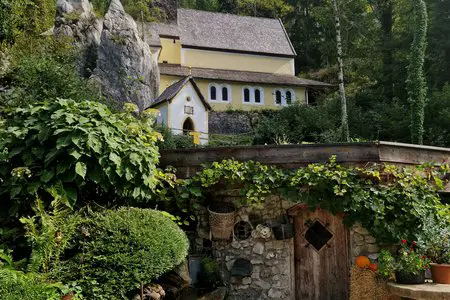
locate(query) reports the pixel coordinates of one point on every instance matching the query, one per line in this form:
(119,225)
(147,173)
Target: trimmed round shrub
(122,248)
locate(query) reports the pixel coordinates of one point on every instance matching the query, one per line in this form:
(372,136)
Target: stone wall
(362,242)
(233,122)
(273,275)
(272,260)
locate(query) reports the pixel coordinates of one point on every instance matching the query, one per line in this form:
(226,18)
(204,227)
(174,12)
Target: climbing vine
(416,82)
(392,202)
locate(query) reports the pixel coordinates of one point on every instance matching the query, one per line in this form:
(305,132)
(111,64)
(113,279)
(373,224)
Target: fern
(50,234)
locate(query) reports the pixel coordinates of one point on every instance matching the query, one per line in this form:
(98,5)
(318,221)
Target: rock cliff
(112,51)
(126,69)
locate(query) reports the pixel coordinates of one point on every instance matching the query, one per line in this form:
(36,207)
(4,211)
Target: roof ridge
(226,13)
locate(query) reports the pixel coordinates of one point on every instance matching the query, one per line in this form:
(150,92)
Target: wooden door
(321,256)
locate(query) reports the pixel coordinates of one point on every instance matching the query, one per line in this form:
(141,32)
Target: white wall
(162,118)
(177,115)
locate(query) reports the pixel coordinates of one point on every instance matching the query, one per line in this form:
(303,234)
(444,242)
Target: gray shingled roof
(239,76)
(170,92)
(203,29)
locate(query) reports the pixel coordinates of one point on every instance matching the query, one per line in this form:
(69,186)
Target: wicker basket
(221,220)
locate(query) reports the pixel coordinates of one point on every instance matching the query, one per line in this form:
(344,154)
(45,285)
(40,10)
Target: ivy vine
(392,202)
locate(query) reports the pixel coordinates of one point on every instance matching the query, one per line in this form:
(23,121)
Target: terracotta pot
(440,273)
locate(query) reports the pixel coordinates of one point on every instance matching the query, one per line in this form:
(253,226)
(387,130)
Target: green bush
(42,69)
(16,285)
(122,248)
(67,148)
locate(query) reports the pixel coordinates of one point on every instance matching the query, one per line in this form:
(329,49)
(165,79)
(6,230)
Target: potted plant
(222,217)
(438,250)
(410,265)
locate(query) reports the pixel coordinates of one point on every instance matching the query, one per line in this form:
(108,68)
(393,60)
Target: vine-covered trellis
(392,202)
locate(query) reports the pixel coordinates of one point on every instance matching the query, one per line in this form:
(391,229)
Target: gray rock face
(126,69)
(76,19)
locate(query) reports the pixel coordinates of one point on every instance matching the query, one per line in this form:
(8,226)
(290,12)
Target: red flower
(423,257)
(414,243)
(403,241)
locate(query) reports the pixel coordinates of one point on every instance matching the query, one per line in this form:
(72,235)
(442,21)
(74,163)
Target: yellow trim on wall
(237,61)
(171,51)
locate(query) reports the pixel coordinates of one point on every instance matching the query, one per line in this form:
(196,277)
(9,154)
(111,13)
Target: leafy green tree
(76,150)
(416,82)
(44,68)
(25,17)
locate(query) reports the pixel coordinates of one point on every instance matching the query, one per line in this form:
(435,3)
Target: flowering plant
(409,260)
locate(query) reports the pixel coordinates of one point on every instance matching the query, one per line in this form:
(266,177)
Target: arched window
(188,126)
(212,93)
(224,93)
(257,96)
(278,97)
(246,95)
(288,97)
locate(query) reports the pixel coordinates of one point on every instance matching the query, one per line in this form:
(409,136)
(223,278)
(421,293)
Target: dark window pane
(246,95)
(288,97)
(212,91)
(318,235)
(278,97)
(225,94)
(257,96)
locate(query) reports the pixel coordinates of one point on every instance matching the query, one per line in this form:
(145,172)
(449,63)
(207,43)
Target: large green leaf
(80,169)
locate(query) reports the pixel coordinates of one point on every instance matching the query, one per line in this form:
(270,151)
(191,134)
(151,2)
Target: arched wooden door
(321,256)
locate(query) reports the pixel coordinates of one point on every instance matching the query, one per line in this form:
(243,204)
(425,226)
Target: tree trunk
(344,117)
(416,82)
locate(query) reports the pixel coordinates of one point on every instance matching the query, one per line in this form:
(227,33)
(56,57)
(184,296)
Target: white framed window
(252,95)
(283,97)
(219,92)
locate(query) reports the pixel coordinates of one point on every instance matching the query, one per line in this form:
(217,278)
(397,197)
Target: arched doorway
(188,126)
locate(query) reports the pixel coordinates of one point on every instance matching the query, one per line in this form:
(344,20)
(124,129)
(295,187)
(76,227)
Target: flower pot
(410,278)
(440,273)
(221,220)
(67,297)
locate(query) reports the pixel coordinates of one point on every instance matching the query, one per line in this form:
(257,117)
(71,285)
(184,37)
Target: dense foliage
(17,285)
(43,68)
(416,83)
(69,148)
(119,249)
(392,202)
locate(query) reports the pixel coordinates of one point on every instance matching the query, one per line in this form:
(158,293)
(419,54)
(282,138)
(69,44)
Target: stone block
(275,294)
(246,280)
(261,284)
(258,248)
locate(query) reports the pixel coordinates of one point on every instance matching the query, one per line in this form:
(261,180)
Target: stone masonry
(271,259)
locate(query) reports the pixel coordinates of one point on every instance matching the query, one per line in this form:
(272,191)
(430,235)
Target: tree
(344,117)
(416,82)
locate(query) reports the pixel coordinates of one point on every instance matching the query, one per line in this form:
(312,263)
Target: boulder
(126,69)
